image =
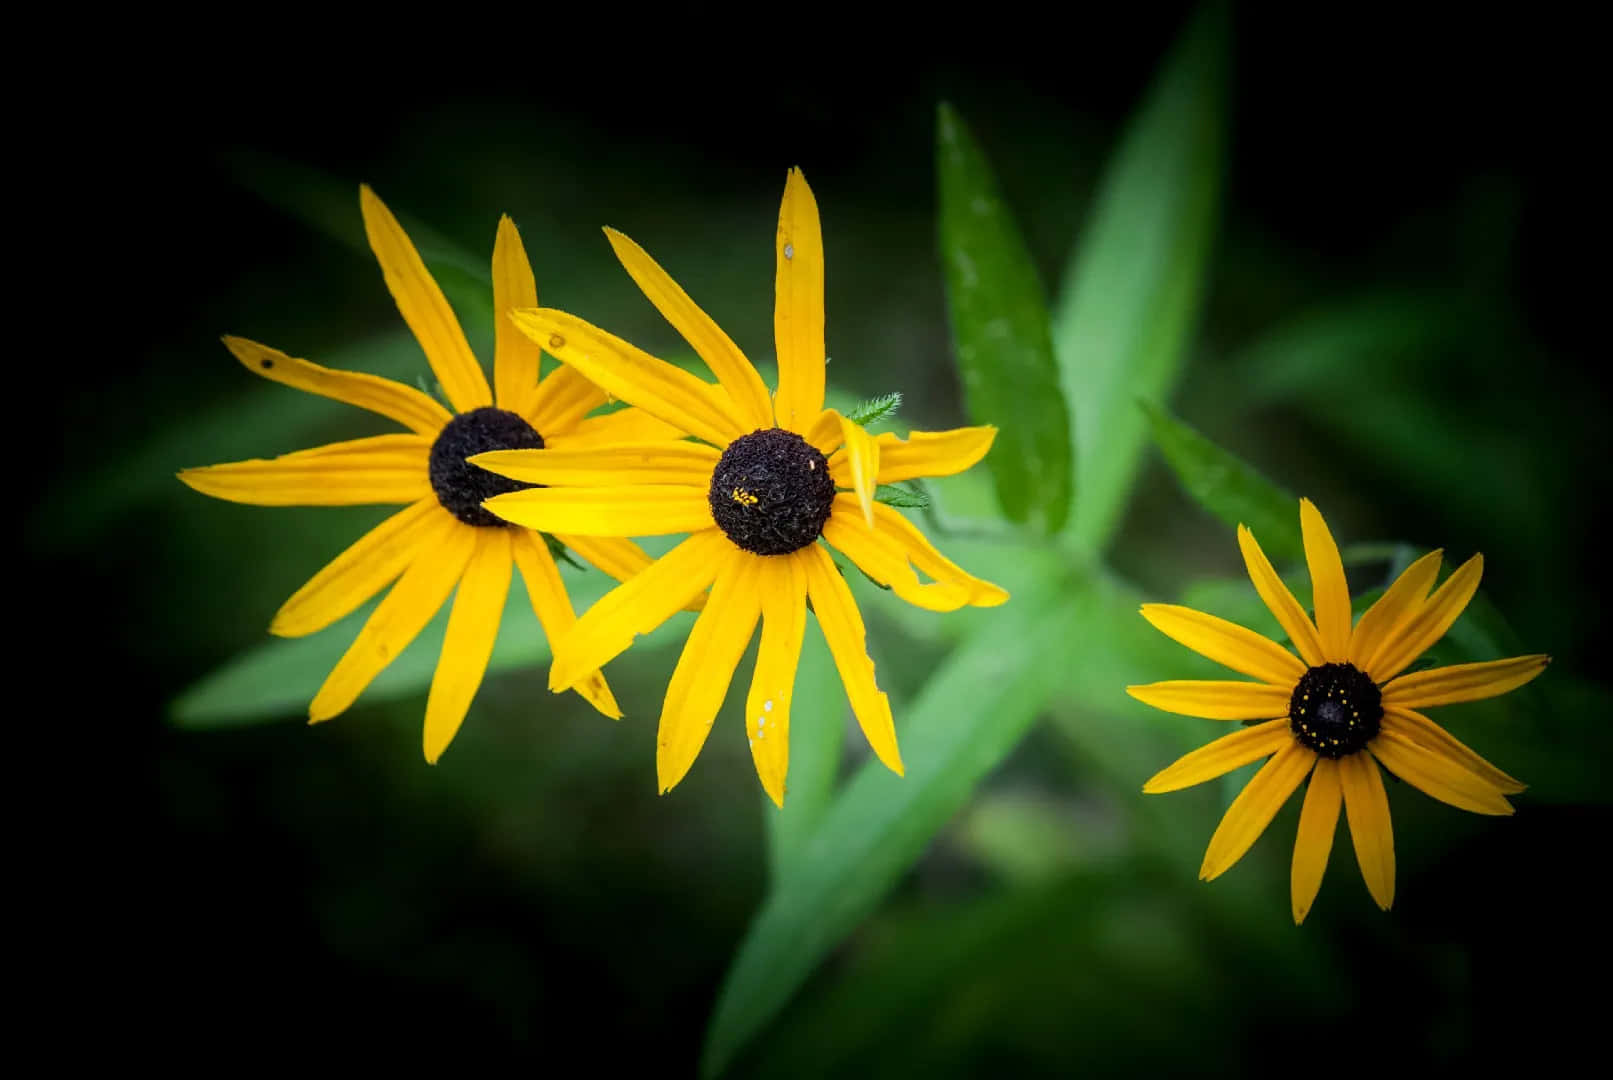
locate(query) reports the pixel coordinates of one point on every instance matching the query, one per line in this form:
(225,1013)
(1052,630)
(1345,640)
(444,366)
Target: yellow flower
(1340,704)
(756,493)
(443,537)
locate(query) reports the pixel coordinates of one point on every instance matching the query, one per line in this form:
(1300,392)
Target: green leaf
(966,720)
(1227,486)
(1000,327)
(906,495)
(875,409)
(817,735)
(1131,294)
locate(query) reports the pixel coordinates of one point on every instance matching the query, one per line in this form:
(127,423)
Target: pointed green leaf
(1000,328)
(1131,295)
(879,408)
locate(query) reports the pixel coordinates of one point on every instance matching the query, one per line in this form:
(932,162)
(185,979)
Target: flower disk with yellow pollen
(1336,710)
(462,487)
(772,492)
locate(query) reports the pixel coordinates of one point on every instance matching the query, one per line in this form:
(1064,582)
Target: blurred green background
(1392,322)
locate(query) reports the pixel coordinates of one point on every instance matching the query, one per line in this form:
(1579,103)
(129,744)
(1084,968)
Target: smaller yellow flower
(1335,712)
(444,541)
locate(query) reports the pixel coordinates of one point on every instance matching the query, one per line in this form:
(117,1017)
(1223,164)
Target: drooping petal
(883,558)
(1330,594)
(1318,822)
(700,681)
(622,426)
(767,707)
(686,463)
(1367,807)
(1463,682)
(1254,808)
(365,568)
(468,642)
(842,626)
(1414,635)
(1418,728)
(1290,616)
(424,307)
(618,510)
(638,606)
(561,400)
(1221,757)
(798,307)
(1226,643)
(552,606)
(862,465)
(1215,699)
(1436,775)
(717,349)
(396,621)
(1399,602)
(633,375)
(929,561)
(405,404)
(381,469)
(515,356)
(925,453)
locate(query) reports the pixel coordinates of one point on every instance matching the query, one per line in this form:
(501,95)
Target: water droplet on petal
(556,341)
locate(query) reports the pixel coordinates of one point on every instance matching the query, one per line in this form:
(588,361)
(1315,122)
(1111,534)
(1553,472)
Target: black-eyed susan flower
(443,539)
(1335,712)
(762,479)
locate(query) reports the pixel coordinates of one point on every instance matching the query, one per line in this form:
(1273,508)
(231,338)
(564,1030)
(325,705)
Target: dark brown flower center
(1336,709)
(771,492)
(460,486)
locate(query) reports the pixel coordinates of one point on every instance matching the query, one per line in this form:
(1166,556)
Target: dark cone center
(771,492)
(1336,709)
(460,486)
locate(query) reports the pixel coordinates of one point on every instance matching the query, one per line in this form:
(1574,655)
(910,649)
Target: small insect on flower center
(460,486)
(771,492)
(1336,709)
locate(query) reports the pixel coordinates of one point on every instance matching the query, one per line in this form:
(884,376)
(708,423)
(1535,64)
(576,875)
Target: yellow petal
(364,569)
(618,510)
(1329,592)
(393,400)
(842,626)
(515,356)
(1463,682)
(798,306)
(1221,757)
(825,433)
(382,469)
(716,348)
(930,561)
(638,606)
(552,606)
(1226,643)
(686,463)
(1367,807)
(622,426)
(396,621)
(1415,634)
(1318,821)
(633,375)
(468,642)
(423,307)
(862,465)
(1290,616)
(700,681)
(883,558)
(1254,808)
(561,400)
(925,453)
(1418,728)
(1214,699)
(1399,602)
(767,707)
(1436,775)
(617,556)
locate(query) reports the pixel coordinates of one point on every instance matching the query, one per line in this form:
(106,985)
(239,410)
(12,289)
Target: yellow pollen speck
(744,498)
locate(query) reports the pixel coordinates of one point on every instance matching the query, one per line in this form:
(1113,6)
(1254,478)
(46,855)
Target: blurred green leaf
(879,408)
(966,720)
(1227,486)
(1122,323)
(817,736)
(1000,327)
